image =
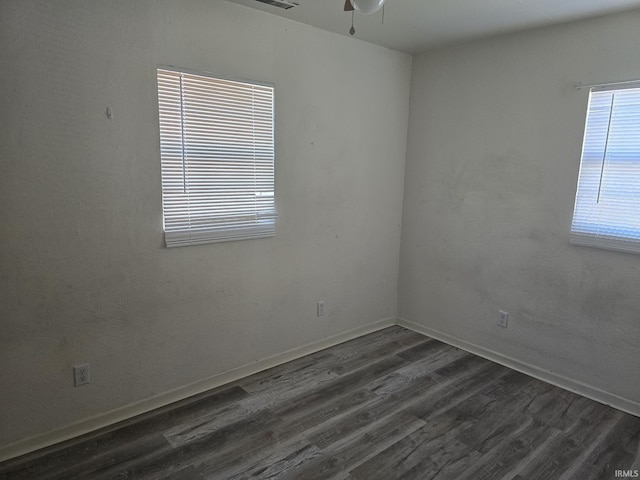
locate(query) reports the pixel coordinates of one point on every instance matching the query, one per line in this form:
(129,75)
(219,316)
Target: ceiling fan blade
(347,6)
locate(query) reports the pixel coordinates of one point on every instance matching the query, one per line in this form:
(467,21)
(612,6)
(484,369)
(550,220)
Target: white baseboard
(589,391)
(116,415)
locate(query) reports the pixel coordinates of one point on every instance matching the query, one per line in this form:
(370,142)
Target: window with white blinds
(217,150)
(607,208)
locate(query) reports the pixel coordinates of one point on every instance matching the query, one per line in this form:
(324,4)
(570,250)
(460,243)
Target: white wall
(493,156)
(84,275)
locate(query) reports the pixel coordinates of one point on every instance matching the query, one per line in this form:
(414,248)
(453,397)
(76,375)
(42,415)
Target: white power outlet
(503,319)
(81,375)
(320,309)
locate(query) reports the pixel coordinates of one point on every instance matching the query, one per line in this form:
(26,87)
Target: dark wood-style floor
(390,405)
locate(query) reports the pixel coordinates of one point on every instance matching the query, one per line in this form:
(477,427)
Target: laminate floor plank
(129,453)
(395,384)
(603,465)
(259,432)
(441,467)
(304,413)
(436,358)
(357,420)
(499,411)
(478,412)
(465,363)
(359,346)
(188,473)
(424,349)
(325,365)
(308,395)
(391,405)
(617,447)
(435,440)
(292,374)
(142,439)
(417,376)
(523,442)
(558,407)
(405,399)
(281,458)
(119,440)
(458,391)
(561,454)
(356,449)
(292,423)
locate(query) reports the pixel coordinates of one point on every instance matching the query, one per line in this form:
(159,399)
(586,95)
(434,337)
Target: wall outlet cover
(503,319)
(81,375)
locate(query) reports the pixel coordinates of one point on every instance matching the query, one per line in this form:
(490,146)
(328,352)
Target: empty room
(318,239)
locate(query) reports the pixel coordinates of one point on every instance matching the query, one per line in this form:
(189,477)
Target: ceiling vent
(284,4)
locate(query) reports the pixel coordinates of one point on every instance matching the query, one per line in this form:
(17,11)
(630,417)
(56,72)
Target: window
(607,208)
(217,150)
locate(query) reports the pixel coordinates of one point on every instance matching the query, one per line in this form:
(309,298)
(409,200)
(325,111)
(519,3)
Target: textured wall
(492,162)
(84,275)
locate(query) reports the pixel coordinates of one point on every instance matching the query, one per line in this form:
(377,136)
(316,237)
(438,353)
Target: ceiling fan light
(367,6)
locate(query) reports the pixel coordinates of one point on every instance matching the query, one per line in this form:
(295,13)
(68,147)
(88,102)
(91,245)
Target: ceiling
(416,25)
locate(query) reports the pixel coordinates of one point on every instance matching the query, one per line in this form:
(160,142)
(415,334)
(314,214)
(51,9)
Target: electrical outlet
(320,309)
(81,375)
(503,319)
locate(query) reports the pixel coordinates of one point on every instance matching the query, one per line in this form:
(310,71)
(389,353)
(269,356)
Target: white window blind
(217,150)
(607,208)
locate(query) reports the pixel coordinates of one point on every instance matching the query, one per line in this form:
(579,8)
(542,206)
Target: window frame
(594,222)
(217,185)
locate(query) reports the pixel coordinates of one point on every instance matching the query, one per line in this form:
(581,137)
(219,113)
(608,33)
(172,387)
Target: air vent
(285,4)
